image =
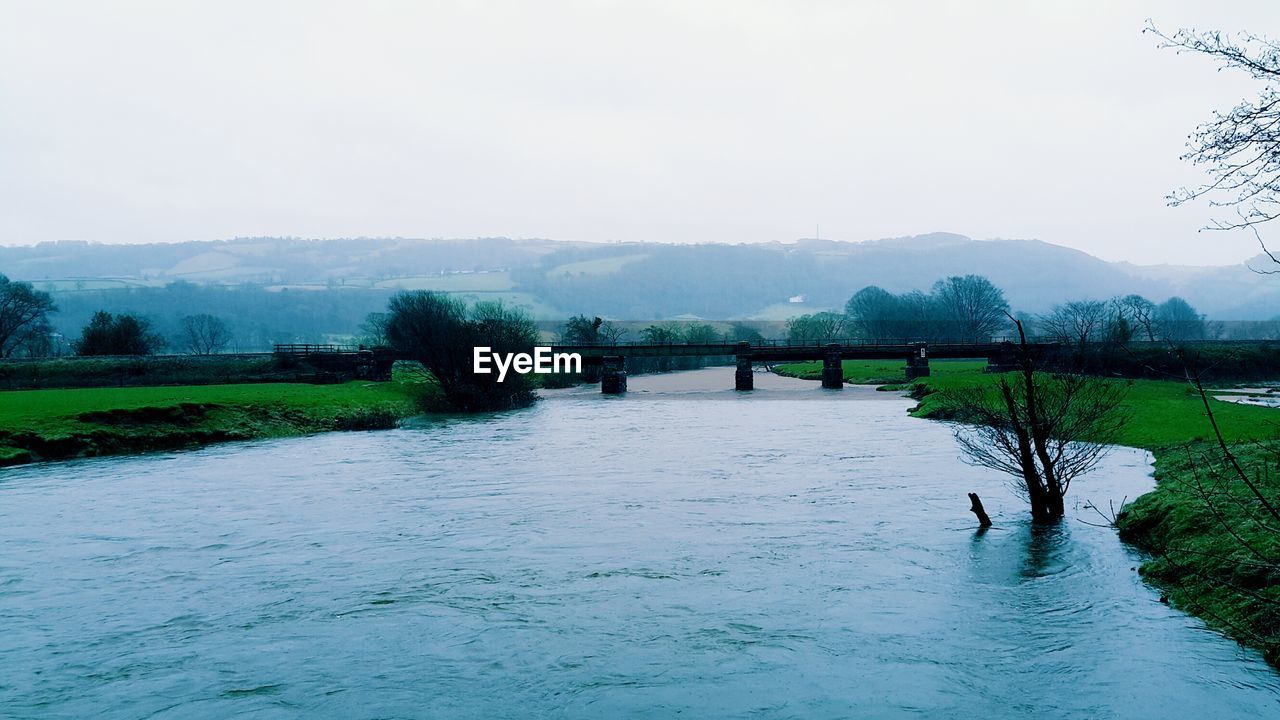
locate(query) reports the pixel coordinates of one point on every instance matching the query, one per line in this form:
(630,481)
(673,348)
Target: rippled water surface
(679,551)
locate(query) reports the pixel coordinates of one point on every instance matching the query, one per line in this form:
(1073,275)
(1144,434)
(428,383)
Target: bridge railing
(788,343)
(309,349)
(874,342)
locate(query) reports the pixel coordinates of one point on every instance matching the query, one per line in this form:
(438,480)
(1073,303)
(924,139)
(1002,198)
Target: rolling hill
(644,280)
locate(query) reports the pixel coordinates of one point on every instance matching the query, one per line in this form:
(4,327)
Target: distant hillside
(282,261)
(644,280)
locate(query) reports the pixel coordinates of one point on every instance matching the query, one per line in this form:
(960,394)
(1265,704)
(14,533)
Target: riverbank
(1167,418)
(1163,413)
(59,424)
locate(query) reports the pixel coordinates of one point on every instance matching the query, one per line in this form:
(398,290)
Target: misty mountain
(640,280)
(278,261)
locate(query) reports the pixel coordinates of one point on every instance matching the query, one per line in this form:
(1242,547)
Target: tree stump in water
(977,509)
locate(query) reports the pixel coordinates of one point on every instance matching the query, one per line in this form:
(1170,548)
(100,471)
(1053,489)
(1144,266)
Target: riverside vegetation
(62,423)
(1200,556)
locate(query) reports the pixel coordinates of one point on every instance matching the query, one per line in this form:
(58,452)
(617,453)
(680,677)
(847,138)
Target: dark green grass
(1161,413)
(1204,557)
(878,372)
(60,423)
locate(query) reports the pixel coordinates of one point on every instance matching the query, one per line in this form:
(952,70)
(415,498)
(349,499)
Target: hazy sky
(663,121)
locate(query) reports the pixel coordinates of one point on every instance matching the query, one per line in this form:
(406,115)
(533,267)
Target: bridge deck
(592,353)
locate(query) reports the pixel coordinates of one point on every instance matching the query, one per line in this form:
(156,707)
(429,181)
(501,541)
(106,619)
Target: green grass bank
(1202,567)
(58,424)
(1163,413)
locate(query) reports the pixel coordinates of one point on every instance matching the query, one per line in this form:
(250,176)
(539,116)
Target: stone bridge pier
(743,379)
(608,362)
(613,375)
(1005,359)
(832,370)
(918,363)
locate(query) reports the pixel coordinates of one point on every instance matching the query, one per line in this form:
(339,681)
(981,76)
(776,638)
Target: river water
(683,550)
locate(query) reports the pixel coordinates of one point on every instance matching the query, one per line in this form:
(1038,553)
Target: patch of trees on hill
(244,318)
(965,308)
(971,308)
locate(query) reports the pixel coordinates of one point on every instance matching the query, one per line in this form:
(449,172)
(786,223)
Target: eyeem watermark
(542,360)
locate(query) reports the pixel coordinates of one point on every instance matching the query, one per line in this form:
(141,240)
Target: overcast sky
(660,121)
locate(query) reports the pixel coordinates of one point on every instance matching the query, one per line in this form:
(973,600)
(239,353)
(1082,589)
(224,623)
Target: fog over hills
(645,280)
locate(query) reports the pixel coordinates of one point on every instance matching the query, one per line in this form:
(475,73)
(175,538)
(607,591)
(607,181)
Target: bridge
(611,357)
(348,361)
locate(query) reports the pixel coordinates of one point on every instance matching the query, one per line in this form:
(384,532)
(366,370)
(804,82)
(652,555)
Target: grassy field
(1200,563)
(881,372)
(454,283)
(97,284)
(1163,413)
(55,424)
(598,266)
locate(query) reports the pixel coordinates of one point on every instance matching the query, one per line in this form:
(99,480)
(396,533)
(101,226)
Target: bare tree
(1079,322)
(919,314)
(1043,430)
(24,313)
(611,333)
(1240,147)
(204,334)
(971,306)
(818,326)
(1138,313)
(373,331)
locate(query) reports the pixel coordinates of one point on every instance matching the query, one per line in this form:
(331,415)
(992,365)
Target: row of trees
(970,308)
(964,308)
(129,334)
(1122,319)
(256,317)
(1041,426)
(581,329)
(25,329)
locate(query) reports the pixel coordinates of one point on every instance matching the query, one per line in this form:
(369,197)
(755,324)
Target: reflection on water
(681,550)
(1047,552)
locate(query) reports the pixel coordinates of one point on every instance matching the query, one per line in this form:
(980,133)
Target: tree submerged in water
(441,333)
(1043,430)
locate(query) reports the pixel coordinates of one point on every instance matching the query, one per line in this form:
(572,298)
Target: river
(682,550)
